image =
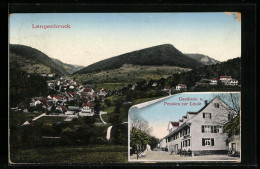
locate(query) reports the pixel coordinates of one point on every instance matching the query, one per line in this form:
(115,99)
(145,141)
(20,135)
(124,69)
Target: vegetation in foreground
(90,154)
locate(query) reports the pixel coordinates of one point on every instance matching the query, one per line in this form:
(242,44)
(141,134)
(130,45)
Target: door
(234,146)
(176,147)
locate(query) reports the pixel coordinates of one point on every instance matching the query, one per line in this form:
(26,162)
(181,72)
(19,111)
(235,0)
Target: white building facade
(202,131)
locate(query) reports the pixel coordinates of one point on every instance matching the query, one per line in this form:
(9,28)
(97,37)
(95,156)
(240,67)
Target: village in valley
(71,103)
(73,100)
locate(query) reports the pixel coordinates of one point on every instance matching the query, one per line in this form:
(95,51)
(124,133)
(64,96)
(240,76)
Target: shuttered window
(212,142)
(207,141)
(202,129)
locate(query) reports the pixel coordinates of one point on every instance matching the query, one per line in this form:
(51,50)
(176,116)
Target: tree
(97,106)
(139,123)
(108,102)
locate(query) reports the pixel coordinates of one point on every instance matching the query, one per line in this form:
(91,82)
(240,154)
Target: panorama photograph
(113,88)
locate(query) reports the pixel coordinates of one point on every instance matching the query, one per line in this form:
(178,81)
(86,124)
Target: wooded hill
(230,68)
(203,59)
(32,61)
(154,56)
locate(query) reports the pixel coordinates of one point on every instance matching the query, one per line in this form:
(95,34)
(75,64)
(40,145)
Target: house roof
(88,90)
(57,97)
(185,123)
(87,104)
(192,112)
(175,123)
(181,85)
(214,79)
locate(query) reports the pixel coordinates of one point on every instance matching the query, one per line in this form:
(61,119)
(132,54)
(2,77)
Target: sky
(159,114)
(96,36)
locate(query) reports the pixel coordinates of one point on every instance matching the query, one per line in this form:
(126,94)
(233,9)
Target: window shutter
(202,128)
(203,115)
(210,115)
(203,142)
(212,130)
(212,142)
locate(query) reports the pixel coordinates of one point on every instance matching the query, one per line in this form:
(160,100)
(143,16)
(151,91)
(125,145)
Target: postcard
(124,88)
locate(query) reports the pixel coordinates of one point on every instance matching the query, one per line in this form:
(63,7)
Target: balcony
(186,136)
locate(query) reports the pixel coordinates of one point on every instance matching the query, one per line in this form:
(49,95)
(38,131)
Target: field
(50,119)
(111,79)
(95,154)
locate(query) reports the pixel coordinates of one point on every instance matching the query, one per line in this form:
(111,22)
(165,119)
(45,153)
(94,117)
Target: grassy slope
(128,74)
(72,155)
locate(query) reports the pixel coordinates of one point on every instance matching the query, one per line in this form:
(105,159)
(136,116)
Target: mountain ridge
(165,54)
(32,60)
(206,60)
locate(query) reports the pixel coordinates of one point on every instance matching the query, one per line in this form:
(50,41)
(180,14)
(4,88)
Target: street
(167,157)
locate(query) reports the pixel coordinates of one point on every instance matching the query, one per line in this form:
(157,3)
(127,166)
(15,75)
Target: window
(213,129)
(207,141)
(216,105)
(205,129)
(188,142)
(207,115)
(219,129)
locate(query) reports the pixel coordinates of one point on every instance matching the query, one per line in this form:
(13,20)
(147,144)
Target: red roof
(182,85)
(175,124)
(57,97)
(214,79)
(87,104)
(87,90)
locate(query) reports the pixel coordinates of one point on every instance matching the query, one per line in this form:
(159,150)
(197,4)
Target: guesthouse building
(202,131)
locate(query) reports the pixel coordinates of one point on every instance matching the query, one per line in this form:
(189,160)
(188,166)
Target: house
(162,143)
(89,91)
(202,131)
(154,84)
(73,108)
(69,112)
(214,81)
(102,92)
(87,110)
(51,75)
(225,79)
(232,82)
(34,103)
(172,126)
(181,87)
(167,89)
(62,109)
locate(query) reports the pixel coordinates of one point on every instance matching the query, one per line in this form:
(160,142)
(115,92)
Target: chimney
(206,102)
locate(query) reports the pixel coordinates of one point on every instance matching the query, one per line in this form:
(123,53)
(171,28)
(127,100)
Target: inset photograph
(187,126)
